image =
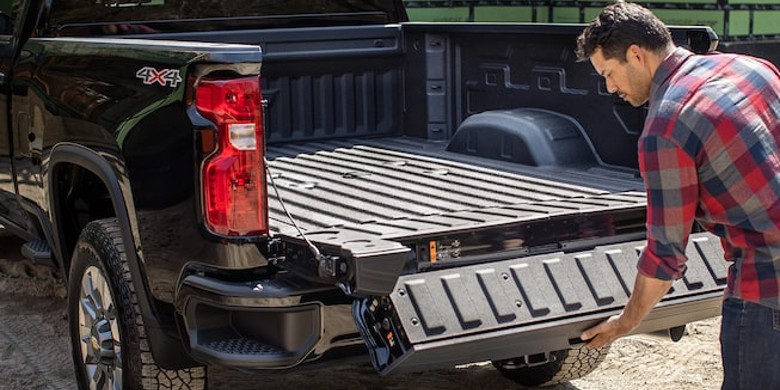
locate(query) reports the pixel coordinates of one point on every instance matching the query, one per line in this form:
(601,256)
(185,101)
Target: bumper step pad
(243,346)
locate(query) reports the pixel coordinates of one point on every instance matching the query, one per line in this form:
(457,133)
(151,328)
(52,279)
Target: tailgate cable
(314,250)
(327,265)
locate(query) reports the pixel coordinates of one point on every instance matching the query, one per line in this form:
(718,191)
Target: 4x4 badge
(164,77)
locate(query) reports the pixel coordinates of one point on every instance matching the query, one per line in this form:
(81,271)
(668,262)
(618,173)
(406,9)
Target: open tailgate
(526,305)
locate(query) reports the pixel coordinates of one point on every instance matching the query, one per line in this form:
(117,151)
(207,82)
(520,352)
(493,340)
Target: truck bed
(401,188)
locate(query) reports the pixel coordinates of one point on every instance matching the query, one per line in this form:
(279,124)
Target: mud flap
(525,306)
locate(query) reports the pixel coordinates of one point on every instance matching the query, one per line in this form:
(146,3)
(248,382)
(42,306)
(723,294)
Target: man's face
(630,79)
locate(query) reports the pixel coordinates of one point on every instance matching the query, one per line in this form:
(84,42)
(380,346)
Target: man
(708,153)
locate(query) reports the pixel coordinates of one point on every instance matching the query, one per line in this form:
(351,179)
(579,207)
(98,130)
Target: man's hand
(647,292)
(607,332)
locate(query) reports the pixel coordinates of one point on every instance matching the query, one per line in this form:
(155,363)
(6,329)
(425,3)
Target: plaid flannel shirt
(709,153)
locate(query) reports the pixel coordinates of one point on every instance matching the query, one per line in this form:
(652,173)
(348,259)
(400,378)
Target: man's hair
(618,26)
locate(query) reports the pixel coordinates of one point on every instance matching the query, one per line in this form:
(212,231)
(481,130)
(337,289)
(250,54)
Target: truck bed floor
(396,188)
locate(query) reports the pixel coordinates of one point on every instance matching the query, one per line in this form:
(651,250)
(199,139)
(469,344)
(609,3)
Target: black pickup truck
(272,185)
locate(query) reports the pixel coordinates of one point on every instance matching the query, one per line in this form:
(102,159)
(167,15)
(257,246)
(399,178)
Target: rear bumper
(272,323)
(525,306)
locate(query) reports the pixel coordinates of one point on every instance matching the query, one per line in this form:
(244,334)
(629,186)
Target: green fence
(730,19)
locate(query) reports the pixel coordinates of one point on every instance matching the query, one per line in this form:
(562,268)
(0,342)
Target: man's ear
(634,53)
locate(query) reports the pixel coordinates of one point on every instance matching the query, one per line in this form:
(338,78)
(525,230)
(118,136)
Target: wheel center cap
(101,340)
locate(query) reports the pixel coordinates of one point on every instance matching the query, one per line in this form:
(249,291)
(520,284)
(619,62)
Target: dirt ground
(35,354)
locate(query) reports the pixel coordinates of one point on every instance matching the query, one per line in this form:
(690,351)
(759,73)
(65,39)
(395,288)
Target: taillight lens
(234,188)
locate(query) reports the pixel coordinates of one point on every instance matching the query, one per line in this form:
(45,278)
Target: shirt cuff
(656,267)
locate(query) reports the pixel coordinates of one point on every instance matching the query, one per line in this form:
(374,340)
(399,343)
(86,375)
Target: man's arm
(647,293)
(672,186)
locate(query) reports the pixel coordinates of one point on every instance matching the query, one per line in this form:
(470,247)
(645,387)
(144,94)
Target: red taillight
(234,188)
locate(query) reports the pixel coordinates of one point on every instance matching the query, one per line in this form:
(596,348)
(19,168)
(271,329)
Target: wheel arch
(68,157)
(526,135)
(65,157)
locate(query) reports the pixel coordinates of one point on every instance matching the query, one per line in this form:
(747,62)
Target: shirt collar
(668,67)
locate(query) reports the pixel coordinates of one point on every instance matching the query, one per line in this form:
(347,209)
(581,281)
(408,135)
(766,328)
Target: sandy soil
(35,354)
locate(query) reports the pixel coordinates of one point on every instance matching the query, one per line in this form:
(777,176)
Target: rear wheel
(108,337)
(552,368)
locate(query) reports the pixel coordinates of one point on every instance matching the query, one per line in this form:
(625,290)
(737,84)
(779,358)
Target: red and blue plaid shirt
(710,152)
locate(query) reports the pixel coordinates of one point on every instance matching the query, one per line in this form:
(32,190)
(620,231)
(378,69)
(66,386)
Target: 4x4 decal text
(164,77)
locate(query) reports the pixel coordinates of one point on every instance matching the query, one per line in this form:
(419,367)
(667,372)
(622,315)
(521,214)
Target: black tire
(564,366)
(101,305)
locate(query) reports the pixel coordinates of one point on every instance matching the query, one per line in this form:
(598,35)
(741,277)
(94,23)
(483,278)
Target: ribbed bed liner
(396,188)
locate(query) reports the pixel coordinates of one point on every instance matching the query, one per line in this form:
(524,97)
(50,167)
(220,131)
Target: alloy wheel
(101,348)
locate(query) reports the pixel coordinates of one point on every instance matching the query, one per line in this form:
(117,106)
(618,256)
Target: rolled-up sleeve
(672,186)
